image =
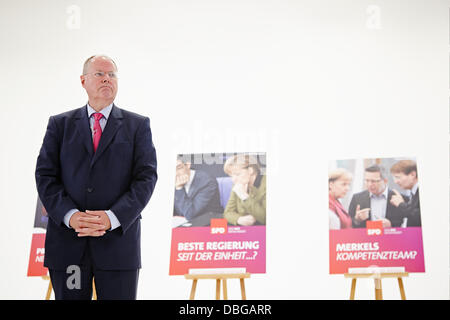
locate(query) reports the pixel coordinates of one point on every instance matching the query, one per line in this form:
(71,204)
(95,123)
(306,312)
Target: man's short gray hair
(89,60)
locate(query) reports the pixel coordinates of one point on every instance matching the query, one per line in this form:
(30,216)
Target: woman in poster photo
(247,203)
(339,181)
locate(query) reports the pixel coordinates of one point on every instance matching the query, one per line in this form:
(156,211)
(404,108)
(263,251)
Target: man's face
(405,181)
(374,183)
(99,80)
(183,169)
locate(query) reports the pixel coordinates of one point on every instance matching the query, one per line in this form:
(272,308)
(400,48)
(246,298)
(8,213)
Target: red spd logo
(219,226)
(374,228)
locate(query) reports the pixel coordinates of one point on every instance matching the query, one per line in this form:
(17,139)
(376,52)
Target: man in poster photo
(405,176)
(374,203)
(95,173)
(196,192)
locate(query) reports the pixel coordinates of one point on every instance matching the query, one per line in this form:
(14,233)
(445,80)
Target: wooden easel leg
(220,278)
(243,289)
(402,289)
(94,291)
(225,293)
(378,290)
(194,287)
(49,290)
(353,289)
(218,289)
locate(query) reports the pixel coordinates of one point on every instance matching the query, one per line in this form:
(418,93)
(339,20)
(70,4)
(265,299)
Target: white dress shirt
(378,205)
(191,178)
(414,190)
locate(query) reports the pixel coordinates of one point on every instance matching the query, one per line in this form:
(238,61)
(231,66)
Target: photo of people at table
(231,187)
(382,189)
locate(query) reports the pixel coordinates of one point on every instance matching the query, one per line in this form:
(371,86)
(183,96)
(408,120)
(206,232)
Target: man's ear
(82,79)
(188,165)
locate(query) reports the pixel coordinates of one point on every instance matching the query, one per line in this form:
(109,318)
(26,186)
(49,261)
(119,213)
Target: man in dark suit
(95,173)
(405,175)
(196,192)
(374,203)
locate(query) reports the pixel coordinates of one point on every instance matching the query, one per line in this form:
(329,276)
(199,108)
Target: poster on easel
(36,260)
(219,213)
(374,215)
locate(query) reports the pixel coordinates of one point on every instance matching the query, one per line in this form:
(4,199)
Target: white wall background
(305,81)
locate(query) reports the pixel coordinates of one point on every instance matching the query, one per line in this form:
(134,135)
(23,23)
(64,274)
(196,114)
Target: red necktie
(97,129)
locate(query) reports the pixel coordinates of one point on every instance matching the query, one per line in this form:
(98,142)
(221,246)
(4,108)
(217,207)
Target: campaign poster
(374,215)
(219,213)
(37,251)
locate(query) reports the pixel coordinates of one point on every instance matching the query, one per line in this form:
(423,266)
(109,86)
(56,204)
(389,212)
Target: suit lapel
(112,125)
(415,198)
(390,208)
(365,203)
(82,125)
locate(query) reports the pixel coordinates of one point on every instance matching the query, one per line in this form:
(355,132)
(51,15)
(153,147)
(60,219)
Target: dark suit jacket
(120,176)
(203,196)
(411,210)
(393,214)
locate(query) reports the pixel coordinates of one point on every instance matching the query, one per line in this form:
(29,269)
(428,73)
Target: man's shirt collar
(105,111)
(383,194)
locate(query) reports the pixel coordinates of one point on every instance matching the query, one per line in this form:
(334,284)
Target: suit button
(90,190)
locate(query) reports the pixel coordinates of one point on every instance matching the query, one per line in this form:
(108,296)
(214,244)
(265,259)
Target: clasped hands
(90,223)
(241,191)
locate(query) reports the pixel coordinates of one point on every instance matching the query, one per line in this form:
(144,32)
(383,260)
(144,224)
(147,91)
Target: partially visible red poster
(36,261)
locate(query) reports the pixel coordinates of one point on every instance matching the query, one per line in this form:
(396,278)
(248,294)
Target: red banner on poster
(36,261)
